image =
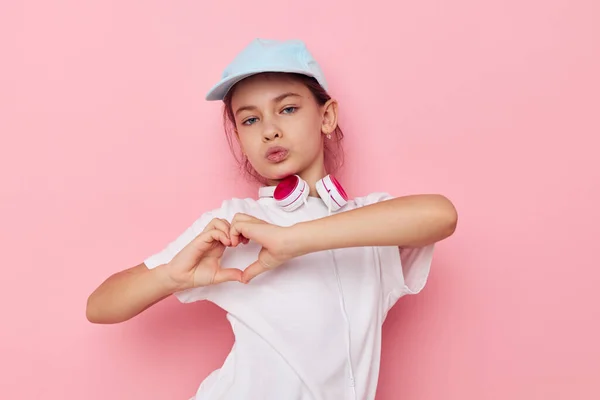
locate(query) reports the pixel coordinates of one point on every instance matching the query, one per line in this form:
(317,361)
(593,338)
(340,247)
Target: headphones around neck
(293,191)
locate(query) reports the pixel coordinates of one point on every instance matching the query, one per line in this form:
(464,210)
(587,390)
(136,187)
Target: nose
(271,132)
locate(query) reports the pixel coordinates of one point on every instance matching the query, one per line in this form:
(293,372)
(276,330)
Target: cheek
(316,135)
(251,149)
(310,130)
(244,143)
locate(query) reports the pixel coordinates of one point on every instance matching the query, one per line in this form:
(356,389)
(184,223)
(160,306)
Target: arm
(409,221)
(127,293)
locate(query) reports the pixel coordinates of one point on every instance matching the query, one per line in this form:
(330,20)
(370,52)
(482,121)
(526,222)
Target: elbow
(448,217)
(450,225)
(91,312)
(435,219)
(441,217)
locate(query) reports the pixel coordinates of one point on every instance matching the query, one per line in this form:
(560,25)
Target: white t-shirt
(311,328)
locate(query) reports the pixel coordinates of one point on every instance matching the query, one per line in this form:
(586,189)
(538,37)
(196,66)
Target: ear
(330,117)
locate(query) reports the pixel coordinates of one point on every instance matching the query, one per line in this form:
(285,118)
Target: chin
(281,175)
(279,172)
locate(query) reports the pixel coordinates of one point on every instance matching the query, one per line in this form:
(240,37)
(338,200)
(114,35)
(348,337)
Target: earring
(329,136)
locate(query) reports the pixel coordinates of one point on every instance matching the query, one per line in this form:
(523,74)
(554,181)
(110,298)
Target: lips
(276,154)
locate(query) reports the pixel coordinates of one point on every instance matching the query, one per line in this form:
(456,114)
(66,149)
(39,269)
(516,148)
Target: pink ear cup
(332,193)
(291,193)
(339,188)
(285,187)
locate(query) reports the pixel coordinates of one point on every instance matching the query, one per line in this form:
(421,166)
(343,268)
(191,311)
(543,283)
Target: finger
(241,217)
(234,234)
(243,221)
(238,231)
(253,271)
(227,275)
(218,223)
(205,240)
(222,225)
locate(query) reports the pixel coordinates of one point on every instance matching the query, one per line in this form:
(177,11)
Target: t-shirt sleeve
(175,246)
(404,271)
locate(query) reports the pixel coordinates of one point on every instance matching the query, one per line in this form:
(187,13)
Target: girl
(305,274)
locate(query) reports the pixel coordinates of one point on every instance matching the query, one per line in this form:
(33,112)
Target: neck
(312,178)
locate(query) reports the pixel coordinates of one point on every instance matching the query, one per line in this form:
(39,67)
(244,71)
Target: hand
(199,263)
(276,243)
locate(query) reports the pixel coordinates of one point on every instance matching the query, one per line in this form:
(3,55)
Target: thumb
(255,269)
(227,274)
(264,262)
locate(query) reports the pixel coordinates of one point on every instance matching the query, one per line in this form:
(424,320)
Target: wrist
(301,238)
(166,282)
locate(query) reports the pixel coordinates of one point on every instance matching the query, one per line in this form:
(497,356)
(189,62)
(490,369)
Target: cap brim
(220,90)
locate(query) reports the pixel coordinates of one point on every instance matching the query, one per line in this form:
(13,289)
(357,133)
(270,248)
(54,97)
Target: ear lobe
(330,116)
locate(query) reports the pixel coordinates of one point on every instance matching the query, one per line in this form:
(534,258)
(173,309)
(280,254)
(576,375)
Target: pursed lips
(276,154)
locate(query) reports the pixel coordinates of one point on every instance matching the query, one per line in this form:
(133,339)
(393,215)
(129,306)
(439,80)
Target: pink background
(108,151)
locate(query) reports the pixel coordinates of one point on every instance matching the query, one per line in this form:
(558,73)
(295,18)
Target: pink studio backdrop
(108,151)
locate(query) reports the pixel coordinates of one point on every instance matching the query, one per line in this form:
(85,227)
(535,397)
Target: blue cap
(265,55)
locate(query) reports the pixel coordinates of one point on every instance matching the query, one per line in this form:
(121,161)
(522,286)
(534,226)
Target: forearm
(128,293)
(410,221)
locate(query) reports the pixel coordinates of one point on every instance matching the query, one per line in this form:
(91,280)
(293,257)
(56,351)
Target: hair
(332,148)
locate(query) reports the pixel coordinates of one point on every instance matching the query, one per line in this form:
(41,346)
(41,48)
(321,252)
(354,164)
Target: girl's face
(281,127)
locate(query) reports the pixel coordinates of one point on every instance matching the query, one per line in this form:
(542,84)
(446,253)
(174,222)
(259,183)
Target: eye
(250,121)
(289,110)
